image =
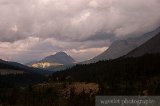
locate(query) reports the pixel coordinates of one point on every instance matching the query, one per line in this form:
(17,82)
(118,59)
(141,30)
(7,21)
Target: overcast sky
(33,29)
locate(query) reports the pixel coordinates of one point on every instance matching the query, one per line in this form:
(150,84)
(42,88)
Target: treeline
(123,76)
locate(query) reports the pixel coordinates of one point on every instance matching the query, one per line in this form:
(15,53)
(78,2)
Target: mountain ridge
(121,47)
(149,47)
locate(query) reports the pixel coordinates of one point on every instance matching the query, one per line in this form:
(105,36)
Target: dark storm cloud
(100,36)
(76,19)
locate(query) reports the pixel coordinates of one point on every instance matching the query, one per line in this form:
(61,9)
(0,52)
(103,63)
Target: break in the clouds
(36,28)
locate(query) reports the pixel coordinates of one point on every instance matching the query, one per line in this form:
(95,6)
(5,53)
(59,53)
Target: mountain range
(133,47)
(117,49)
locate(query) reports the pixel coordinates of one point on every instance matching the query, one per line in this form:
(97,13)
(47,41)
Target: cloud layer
(42,27)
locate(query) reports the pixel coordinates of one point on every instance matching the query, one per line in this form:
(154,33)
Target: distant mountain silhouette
(122,47)
(150,47)
(57,60)
(60,57)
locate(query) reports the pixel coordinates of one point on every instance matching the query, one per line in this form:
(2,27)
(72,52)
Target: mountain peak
(56,60)
(59,57)
(61,53)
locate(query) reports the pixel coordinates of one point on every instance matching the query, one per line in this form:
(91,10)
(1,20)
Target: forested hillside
(123,76)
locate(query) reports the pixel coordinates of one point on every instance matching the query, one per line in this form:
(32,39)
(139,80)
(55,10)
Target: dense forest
(122,76)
